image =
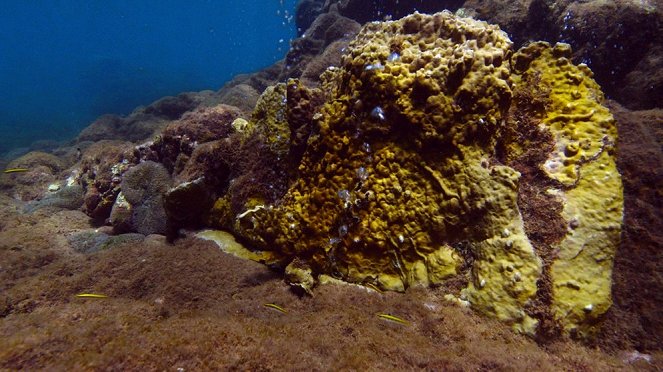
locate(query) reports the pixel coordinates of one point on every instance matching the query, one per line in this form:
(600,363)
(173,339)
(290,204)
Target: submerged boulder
(433,152)
(140,206)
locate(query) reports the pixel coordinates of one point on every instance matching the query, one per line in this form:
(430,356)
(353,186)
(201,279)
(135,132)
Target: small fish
(393,318)
(16,170)
(91,295)
(373,287)
(276,307)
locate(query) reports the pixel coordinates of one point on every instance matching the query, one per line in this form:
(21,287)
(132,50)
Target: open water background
(65,62)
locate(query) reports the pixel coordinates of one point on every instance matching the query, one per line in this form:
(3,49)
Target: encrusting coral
(588,184)
(409,176)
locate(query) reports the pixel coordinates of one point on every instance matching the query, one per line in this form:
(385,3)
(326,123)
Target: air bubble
(362,173)
(378,113)
(344,195)
(374,66)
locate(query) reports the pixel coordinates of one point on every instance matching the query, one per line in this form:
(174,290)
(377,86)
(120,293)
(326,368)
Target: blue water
(63,63)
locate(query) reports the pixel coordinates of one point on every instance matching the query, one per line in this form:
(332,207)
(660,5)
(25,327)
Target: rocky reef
(435,154)
(431,151)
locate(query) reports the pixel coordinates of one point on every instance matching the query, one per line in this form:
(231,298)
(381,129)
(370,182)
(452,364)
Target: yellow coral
(582,161)
(402,182)
(399,173)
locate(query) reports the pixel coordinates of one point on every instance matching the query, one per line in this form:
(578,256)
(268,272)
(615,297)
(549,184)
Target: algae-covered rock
(141,207)
(101,169)
(421,169)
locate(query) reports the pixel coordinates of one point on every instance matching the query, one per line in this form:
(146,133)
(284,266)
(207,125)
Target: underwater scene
(318,185)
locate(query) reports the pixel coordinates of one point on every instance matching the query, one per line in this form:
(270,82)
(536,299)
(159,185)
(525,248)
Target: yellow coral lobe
(276,307)
(393,318)
(15,170)
(582,160)
(91,295)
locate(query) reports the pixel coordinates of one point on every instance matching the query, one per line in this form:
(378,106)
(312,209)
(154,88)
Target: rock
(172,108)
(259,81)
(306,12)
(613,37)
(242,96)
(637,286)
(143,187)
(363,11)
(67,197)
(330,58)
(87,241)
(36,159)
(104,128)
(325,30)
(642,87)
(100,174)
(144,122)
(92,241)
(523,20)
(42,170)
(136,127)
(180,138)
(188,202)
(121,215)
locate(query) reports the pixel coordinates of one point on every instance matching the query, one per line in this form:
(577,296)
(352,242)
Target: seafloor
(188,306)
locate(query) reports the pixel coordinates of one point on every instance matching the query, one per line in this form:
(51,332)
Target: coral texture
(402,183)
(585,181)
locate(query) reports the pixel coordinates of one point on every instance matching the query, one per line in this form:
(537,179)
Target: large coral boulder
(419,174)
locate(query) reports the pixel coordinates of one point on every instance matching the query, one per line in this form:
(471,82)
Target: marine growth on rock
(460,163)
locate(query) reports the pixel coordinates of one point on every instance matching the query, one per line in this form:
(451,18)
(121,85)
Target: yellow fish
(393,318)
(374,287)
(276,307)
(16,170)
(91,295)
